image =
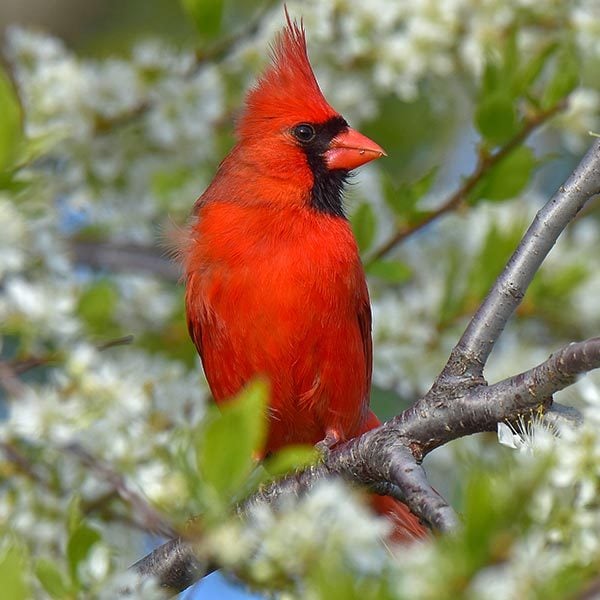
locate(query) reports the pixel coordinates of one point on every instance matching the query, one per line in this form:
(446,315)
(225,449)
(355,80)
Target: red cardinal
(275,285)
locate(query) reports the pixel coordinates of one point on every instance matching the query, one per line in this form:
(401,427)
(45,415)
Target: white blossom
(125,144)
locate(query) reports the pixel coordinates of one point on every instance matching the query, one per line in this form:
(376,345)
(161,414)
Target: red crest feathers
(288,91)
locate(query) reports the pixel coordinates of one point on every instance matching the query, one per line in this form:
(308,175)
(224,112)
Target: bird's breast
(285,251)
(278,295)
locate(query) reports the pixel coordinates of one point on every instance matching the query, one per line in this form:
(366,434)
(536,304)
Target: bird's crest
(288,91)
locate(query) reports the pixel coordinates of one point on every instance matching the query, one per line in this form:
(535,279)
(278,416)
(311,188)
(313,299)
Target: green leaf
(74,515)
(510,55)
(550,295)
(565,78)
(226,448)
(10,124)
(164,183)
(79,545)
(36,147)
(453,299)
(392,271)
(364,224)
(496,118)
(97,305)
(12,574)
(207,16)
(422,185)
(481,513)
(562,282)
(52,579)
(332,578)
(527,75)
(412,133)
(464,292)
(291,458)
(492,77)
(507,178)
(403,200)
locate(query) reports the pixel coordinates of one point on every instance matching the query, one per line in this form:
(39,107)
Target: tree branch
(484,164)
(473,349)
(382,455)
(115,257)
(145,514)
(391,453)
(554,374)
(411,480)
(175,565)
(459,403)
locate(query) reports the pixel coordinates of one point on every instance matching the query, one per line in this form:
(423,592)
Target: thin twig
(124,340)
(10,370)
(10,381)
(485,163)
(23,464)
(153,521)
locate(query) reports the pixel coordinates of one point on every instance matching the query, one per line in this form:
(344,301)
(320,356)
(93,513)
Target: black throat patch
(328,187)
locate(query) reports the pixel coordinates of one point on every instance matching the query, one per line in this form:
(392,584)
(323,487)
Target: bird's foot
(331,439)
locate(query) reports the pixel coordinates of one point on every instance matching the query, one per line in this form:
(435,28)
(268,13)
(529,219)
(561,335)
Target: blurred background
(114,118)
(104,27)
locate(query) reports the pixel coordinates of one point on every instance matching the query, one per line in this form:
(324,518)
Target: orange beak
(351,149)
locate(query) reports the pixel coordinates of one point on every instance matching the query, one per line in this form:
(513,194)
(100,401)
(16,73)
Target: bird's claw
(327,443)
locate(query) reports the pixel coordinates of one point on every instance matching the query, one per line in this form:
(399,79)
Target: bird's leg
(332,437)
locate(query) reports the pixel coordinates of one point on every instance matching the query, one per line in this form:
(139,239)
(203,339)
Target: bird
(275,286)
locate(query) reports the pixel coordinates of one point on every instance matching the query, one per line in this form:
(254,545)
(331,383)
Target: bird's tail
(406,525)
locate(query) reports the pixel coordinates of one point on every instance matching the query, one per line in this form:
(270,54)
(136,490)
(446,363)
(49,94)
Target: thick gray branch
(428,424)
(553,375)
(386,459)
(411,481)
(472,351)
(174,564)
(381,459)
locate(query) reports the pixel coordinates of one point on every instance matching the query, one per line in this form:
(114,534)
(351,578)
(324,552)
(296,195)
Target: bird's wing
(364,323)
(193,319)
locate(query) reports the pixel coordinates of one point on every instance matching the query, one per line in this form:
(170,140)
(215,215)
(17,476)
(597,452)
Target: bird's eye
(304,132)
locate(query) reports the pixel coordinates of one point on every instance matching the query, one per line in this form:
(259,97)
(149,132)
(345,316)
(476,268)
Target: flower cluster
(283,543)
(563,509)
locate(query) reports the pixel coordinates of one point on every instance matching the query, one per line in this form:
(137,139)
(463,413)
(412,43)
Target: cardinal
(274,282)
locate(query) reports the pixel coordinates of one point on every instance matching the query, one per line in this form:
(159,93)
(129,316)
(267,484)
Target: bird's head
(289,129)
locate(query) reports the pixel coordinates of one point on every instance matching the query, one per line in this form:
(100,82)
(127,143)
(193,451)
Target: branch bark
(473,349)
(459,403)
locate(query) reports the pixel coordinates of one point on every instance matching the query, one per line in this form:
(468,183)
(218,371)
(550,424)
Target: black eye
(304,132)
